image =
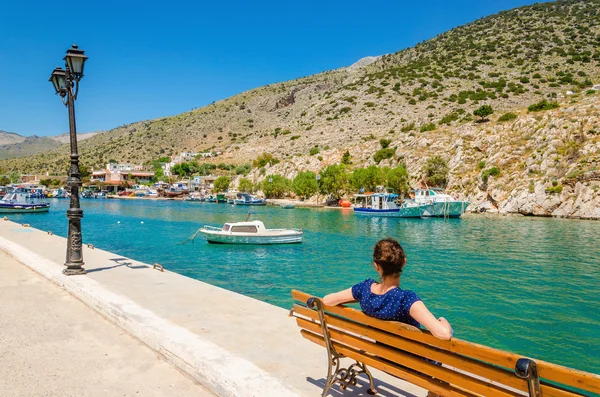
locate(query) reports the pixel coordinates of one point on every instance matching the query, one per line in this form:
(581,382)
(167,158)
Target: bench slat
(552,372)
(466,364)
(400,372)
(457,379)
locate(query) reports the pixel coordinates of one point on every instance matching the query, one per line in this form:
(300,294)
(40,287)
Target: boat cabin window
(244,229)
(226,227)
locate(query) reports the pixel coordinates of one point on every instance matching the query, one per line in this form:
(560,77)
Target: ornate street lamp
(66,84)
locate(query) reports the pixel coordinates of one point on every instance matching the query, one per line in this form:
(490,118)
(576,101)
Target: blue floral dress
(394,305)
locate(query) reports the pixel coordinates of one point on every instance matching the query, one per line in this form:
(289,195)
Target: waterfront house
(121,174)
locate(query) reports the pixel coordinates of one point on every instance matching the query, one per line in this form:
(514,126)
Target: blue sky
(152,59)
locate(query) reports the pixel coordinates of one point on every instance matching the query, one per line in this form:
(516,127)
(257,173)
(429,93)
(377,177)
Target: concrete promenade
(231,344)
(51,344)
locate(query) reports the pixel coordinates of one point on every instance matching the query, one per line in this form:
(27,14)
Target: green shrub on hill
(385,143)
(543,105)
(482,112)
(346,158)
(383,154)
(507,117)
(427,127)
(264,159)
(493,171)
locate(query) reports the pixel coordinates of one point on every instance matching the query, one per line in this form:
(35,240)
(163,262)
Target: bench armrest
(527,369)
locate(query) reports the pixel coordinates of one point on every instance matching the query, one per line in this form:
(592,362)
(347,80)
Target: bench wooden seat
(449,368)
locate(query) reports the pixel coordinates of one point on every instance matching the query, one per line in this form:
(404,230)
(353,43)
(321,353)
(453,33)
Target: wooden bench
(462,368)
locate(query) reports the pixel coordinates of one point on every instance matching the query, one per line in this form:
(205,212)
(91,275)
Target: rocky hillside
(421,98)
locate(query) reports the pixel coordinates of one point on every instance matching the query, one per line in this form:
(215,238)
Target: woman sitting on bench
(386,300)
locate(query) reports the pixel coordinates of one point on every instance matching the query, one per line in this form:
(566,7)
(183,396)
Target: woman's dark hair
(389,255)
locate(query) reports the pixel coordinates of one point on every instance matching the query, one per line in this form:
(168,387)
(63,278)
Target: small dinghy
(288,206)
(253,232)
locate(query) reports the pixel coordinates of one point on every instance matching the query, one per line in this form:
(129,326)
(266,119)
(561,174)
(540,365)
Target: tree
(397,179)
(4,180)
(305,184)
(334,180)
(482,112)
(274,186)
(15,177)
(436,171)
(367,178)
(221,184)
(46,182)
(245,185)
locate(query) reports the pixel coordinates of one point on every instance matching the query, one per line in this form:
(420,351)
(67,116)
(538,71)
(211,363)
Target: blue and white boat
(385,204)
(246,199)
(435,203)
(19,201)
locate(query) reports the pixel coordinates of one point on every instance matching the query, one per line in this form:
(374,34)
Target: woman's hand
(440,328)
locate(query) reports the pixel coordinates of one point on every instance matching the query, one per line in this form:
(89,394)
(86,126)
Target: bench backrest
(468,369)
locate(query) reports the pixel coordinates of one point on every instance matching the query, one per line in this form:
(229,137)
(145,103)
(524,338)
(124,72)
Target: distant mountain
(13,146)
(6,138)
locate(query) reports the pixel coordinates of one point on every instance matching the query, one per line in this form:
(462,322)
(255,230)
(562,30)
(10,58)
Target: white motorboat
(253,232)
(435,203)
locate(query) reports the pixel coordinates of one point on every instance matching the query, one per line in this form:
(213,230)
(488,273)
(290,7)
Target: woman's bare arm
(337,298)
(440,328)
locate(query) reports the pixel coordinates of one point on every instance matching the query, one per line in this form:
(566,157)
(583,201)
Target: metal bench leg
(335,374)
(372,390)
(527,369)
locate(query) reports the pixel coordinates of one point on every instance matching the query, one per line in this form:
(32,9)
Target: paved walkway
(229,342)
(51,344)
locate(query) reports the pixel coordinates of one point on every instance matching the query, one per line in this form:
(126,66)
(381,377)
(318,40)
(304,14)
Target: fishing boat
(193,197)
(384,204)
(19,202)
(173,193)
(246,199)
(252,232)
(433,202)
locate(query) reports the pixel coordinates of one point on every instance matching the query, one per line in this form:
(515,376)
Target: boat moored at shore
(247,199)
(20,202)
(437,204)
(252,232)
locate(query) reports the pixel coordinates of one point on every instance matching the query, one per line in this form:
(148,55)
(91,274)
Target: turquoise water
(527,285)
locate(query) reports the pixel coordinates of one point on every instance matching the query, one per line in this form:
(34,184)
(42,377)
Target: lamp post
(66,84)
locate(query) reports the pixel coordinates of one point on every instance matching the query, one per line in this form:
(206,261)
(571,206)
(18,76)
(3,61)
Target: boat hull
(375,212)
(448,209)
(22,208)
(216,238)
(239,202)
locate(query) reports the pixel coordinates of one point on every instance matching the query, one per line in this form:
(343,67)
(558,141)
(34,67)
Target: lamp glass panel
(76,64)
(61,81)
